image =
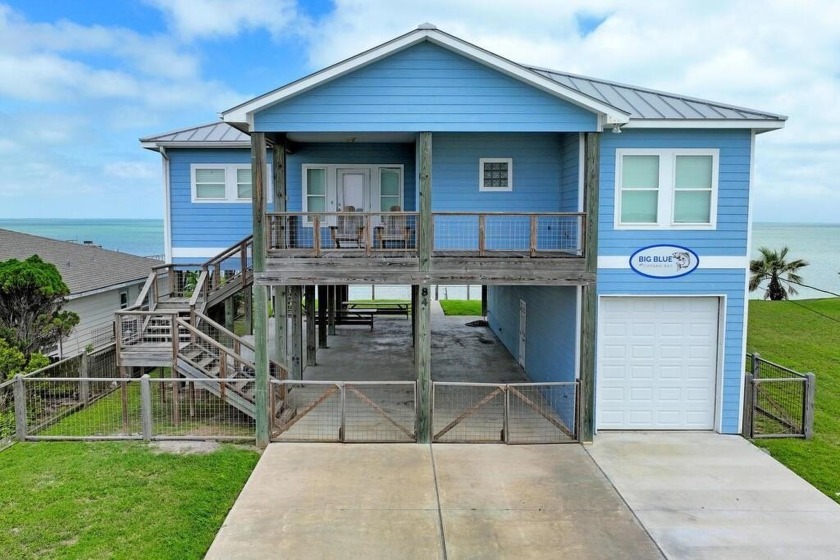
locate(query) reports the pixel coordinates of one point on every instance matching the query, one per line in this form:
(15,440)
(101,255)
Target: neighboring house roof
(218,134)
(84,268)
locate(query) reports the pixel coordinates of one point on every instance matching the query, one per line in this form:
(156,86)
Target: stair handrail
(241,341)
(138,303)
(200,291)
(209,339)
(240,247)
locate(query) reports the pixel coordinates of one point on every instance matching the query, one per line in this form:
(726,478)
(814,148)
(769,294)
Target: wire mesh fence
(778,401)
(505,412)
(364,411)
(129,408)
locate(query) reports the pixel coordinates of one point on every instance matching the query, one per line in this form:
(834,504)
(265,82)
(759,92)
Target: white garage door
(657,363)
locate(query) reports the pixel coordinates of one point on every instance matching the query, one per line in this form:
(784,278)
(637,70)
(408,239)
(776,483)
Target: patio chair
(349,231)
(394,230)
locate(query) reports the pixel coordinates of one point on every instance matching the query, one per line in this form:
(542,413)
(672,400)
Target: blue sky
(82,80)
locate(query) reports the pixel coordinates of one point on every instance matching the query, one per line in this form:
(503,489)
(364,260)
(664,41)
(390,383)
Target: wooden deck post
(484,300)
(296,341)
(281,324)
(249,309)
(589,295)
(423,337)
(230,314)
(281,303)
(331,295)
(259,293)
(322,316)
(311,337)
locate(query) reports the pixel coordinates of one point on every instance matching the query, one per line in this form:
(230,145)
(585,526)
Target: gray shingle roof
(83,268)
(649,104)
(219,133)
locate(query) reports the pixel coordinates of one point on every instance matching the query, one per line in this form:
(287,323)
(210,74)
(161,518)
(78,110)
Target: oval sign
(664,261)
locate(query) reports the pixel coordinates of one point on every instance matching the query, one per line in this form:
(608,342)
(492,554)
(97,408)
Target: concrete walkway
(419,501)
(705,495)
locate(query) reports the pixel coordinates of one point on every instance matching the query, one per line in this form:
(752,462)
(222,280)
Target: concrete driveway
(420,501)
(705,495)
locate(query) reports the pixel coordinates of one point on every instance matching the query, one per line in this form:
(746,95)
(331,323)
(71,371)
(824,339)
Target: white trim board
(706,262)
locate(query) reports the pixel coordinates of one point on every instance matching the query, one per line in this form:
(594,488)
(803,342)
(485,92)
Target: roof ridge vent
(427,26)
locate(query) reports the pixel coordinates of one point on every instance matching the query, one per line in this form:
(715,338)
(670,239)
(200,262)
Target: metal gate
(513,413)
(343,411)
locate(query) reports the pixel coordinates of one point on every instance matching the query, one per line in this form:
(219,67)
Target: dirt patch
(185,447)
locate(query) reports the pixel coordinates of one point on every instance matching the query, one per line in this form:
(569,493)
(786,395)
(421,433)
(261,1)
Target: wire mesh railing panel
(778,407)
(308,411)
(57,408)
(379,412)
(560,234)
(464,412)
(542,413)
(7,411)
(197,409)
(455,232)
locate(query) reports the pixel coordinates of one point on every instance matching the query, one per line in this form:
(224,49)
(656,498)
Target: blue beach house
(608,224)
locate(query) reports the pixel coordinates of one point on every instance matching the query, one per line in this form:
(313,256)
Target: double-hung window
(223,182)
(673,188)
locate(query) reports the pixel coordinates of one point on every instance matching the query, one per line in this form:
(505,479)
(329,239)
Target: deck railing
(370,234)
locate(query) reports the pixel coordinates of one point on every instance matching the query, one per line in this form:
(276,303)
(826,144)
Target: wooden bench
(352,317)
(389,308)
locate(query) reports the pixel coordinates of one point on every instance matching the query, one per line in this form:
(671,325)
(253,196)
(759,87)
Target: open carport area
(362,389)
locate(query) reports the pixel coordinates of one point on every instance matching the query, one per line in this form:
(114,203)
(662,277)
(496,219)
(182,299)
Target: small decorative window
(123,299)
(495,174)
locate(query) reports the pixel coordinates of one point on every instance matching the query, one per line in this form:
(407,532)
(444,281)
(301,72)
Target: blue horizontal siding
(206,224)
(537,167)
(570,174)
(550,342)
(425,88)
(729,283)
(729,238)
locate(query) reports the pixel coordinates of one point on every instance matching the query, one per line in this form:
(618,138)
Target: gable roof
(652,106)
(217,134)
(243,115)
(84,268)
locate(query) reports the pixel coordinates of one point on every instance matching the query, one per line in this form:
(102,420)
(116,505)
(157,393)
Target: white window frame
(481,185)
(231,190)
(666,191)
(332,184)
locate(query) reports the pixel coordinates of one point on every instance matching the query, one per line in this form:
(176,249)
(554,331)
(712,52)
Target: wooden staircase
(167,326)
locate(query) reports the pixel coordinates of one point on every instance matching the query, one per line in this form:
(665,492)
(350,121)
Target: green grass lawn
(805,340)
(461,306)
(115,499)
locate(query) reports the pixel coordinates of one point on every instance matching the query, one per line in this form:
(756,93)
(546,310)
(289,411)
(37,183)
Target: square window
(495,174)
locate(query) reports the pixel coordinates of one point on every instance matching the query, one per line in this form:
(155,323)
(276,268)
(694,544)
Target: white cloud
(131,170)
(192,19)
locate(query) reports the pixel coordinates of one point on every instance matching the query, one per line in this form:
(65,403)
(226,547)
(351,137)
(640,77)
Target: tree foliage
(12,361)
(31,297)
(779,273)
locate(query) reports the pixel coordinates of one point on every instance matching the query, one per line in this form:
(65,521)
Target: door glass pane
(640,172)
(390,182)
(694,172)
(316,181)
(692,207)
(639,207)
(243,183)
(315,203)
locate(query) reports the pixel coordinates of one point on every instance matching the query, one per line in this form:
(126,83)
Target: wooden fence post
(146,407)
(84,384)
(755,368)
(20,408)
(808,412)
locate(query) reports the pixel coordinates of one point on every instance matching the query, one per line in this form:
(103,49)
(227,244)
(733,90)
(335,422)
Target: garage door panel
(657,362)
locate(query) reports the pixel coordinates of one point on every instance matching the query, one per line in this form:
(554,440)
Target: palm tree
(774,267)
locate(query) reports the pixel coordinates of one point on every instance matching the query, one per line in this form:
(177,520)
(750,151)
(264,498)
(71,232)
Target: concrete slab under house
(607,224)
